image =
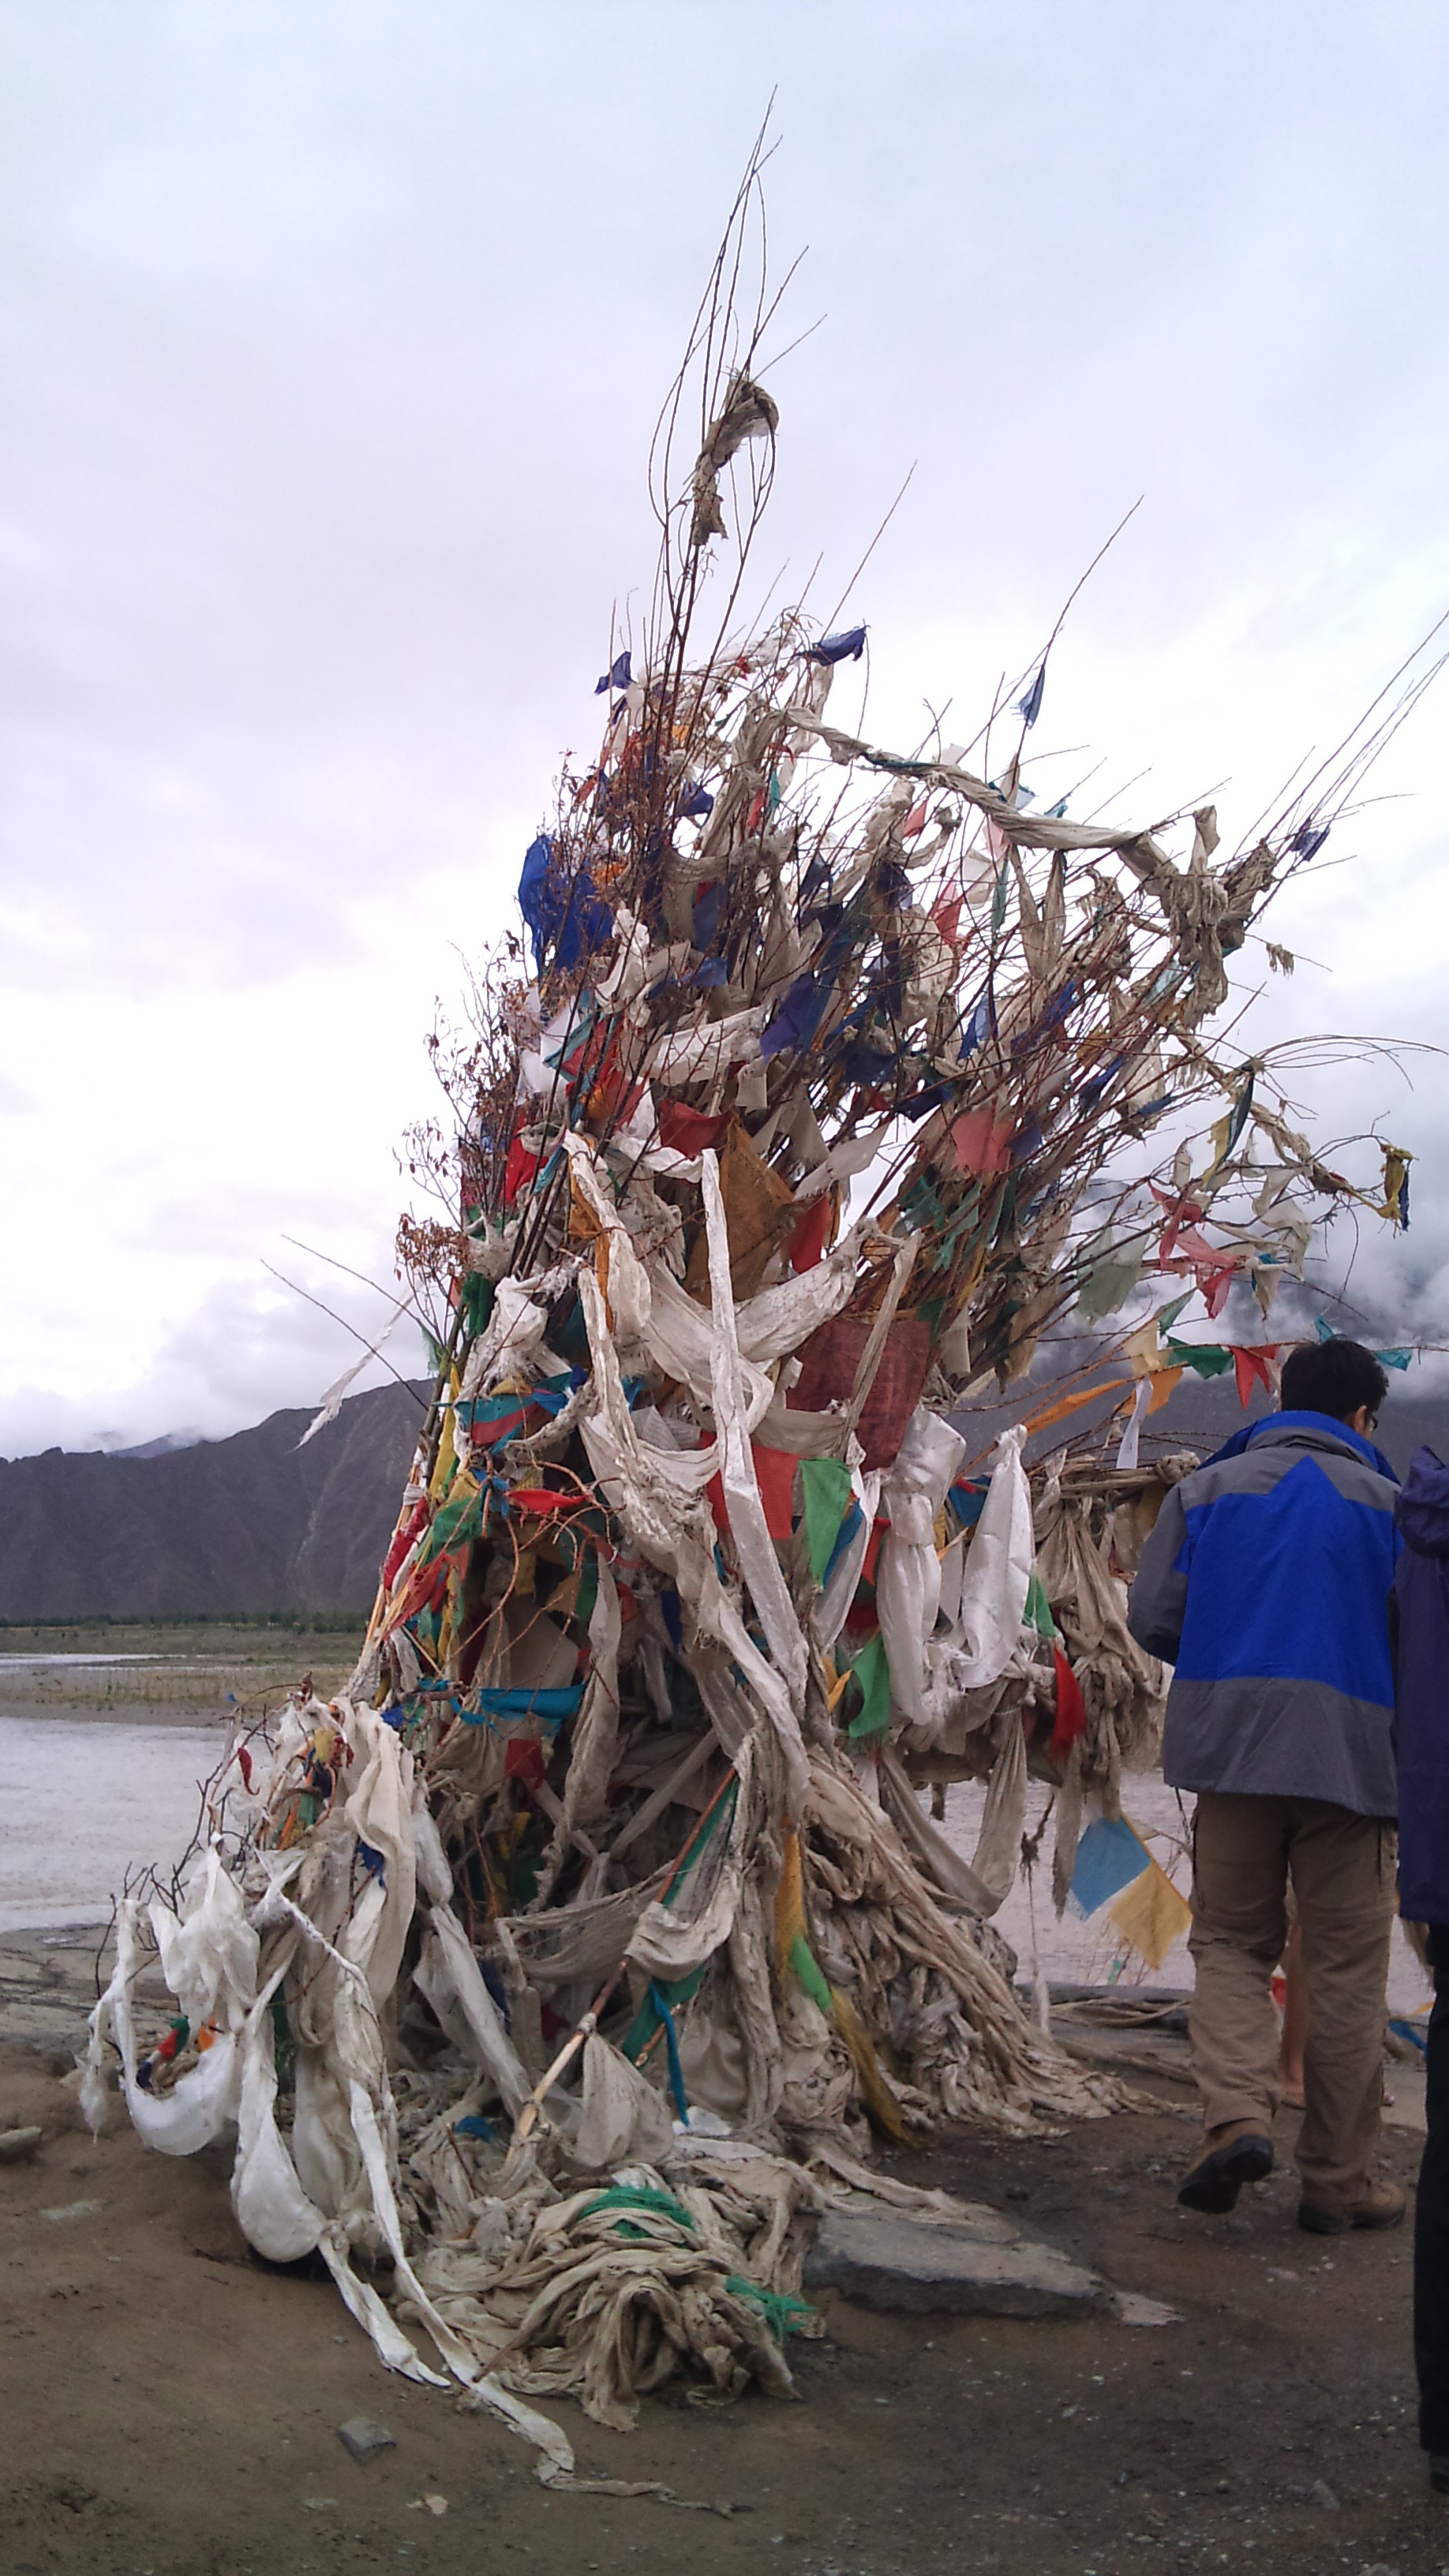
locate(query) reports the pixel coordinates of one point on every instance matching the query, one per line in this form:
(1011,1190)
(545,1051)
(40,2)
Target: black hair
(1334,1378)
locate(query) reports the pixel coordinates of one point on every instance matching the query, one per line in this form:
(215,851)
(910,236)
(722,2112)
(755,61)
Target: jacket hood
(1423,1506)
(1307,1427)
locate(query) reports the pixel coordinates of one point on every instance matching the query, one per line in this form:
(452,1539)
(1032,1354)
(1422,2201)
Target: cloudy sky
(333,337)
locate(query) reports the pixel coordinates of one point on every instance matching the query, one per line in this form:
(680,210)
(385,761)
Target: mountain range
(250,1527)
(257,1527)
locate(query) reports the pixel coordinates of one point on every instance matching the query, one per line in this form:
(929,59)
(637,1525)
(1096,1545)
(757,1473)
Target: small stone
(436,2503)
(362,2435)
(320,2504)
(1319,2493)
(1132,2309)
(71,2209)
(17,2144)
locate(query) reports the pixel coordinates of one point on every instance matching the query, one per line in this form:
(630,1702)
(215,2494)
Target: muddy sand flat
(170,2407)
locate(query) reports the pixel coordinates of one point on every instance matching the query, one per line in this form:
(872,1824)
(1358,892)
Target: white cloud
(336,341)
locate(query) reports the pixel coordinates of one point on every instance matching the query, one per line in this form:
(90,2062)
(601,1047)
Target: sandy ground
(171,2407)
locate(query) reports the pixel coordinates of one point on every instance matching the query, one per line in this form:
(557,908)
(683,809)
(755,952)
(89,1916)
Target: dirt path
(169,2407)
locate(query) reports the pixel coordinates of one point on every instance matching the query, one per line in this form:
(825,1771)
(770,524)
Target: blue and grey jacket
(1266,1582)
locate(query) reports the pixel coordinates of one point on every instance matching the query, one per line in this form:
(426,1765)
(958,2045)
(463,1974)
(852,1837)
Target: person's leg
(1240,1848)
(1343,1877)
(1431,2223)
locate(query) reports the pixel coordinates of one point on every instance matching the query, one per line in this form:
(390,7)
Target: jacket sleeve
(1158,1598)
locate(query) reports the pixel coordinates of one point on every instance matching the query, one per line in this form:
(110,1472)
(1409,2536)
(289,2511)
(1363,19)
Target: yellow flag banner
(1150,1914)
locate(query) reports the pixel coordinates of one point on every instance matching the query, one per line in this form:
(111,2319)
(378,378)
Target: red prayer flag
(807,1244)
(518,1171)
(1254,1364)
(776,1471)
(688,1131)
(1071,1709)
(982,1142)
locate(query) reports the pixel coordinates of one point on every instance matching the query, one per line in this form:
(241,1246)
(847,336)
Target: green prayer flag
(1208,1358)
(825,1485)
(1038,1611)
(873,1674)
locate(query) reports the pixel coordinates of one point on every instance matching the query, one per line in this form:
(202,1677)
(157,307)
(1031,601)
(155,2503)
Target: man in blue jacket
(1266,1583)
(1422,1591)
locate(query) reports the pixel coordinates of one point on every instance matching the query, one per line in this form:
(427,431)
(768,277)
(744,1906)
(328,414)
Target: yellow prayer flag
(1150,1914)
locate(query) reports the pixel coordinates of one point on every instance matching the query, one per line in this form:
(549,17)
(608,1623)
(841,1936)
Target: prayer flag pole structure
(569,1958)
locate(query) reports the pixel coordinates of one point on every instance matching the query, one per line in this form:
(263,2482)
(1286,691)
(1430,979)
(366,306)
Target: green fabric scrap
(808,1974)
(783,2315)
(640,2196)
(873,1674)
(478,1295)
(825,1485)
(1038,1611)
(1209,1359)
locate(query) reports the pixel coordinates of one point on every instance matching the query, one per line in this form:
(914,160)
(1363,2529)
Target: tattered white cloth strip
(753,1544)
(908,1580)
(939,1858)
(676,1533)
(331,1404)
(202,2102)
(671,1940)
(1127,1446)
(687,1055)
(999,1566)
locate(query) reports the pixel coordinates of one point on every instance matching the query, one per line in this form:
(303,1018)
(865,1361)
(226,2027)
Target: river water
(84,1803)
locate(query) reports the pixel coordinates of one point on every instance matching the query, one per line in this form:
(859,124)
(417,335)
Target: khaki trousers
(1245,1850)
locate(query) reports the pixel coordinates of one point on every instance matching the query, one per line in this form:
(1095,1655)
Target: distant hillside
(250,1526)
(254,1526)
(1197,1416)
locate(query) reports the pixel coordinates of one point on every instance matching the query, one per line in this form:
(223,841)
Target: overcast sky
(333,336)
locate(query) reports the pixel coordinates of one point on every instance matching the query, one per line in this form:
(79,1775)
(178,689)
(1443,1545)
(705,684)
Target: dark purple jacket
(1421,1589)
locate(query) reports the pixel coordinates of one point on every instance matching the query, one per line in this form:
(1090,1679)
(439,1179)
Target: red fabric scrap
(518,1171)
(523,1760)
(688,1131)
(872,1550)
(807,1243)
(1254,1365)
(402,1541)
(982,1141)
(775,1469)
(1071,1708)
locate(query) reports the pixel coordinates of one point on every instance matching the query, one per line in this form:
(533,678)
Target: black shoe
(1214,2185)
(1439,2471)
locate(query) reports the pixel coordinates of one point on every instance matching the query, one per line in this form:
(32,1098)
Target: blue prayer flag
(1029,707)
(848,645)
(1109,1858)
